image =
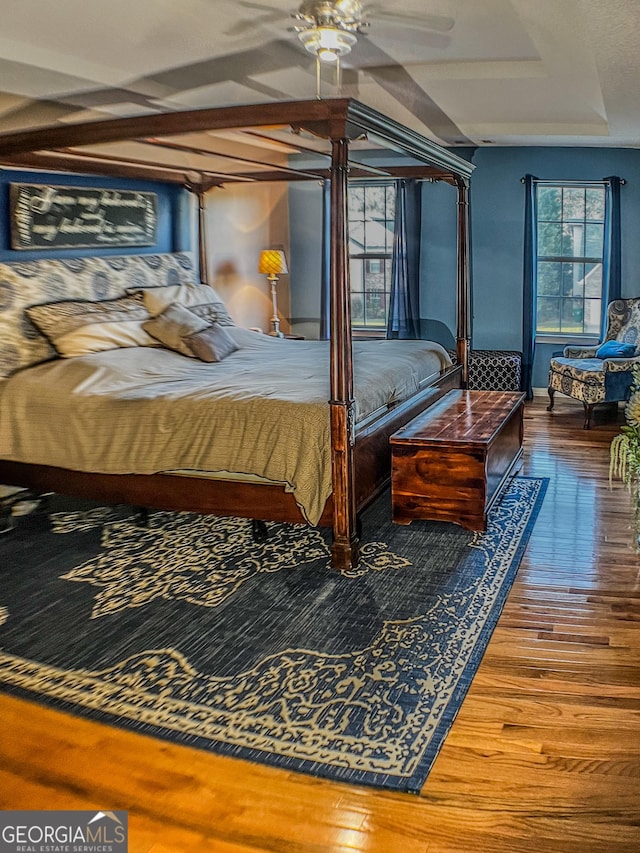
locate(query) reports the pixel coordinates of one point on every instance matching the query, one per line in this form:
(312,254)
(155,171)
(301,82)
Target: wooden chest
(451,462)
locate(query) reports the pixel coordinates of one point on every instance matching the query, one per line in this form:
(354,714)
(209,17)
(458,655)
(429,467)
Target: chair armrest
(619,365)
(577,351)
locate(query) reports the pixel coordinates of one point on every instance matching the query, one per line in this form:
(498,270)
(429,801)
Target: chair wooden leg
(551,392)
(588,408)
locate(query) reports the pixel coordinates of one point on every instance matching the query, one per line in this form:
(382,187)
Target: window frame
(559,336)
(383,257)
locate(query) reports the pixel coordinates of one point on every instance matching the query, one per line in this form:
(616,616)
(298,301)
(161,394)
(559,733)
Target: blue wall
(497,229)
(173,216)
(438,263)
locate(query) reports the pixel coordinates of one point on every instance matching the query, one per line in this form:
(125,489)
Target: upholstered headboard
(34,282)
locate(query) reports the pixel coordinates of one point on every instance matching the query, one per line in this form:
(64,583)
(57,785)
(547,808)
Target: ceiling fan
(328,29)
(332,27)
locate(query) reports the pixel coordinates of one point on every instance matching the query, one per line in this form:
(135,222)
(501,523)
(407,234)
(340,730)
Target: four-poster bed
(360,455)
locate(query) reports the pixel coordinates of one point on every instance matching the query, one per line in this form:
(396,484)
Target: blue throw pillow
(616,349)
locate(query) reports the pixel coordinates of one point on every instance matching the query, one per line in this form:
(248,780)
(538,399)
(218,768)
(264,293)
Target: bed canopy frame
(200,150)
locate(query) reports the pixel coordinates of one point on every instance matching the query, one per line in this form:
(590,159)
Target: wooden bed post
(203,258)
(463,334)
(346,546)
(200,190)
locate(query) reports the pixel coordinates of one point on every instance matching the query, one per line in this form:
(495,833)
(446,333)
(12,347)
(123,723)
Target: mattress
(262,412)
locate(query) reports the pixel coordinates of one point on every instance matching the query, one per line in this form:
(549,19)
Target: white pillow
(156,299)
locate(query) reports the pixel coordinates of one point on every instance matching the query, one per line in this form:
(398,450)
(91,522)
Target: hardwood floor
(543,756)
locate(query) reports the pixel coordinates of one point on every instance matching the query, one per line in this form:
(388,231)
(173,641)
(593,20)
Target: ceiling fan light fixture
(327,55)
(327,43)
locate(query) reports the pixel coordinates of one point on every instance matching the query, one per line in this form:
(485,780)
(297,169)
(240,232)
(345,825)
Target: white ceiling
(507,72)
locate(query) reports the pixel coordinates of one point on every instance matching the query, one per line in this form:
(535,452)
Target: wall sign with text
(53,217)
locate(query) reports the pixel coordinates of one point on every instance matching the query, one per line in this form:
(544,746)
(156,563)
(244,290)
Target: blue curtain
(325,288)
(529,284)
(612,254)
(403,319)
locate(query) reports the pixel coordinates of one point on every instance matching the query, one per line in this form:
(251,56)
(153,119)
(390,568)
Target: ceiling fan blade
(406,36)
(438,23)
(243,27)
(262,7)
(270,15)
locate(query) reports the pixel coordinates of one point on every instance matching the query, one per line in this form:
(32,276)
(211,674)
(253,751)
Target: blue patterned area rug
(190,629)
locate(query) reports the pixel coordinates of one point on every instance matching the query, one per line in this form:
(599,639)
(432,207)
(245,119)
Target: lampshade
(327,43)
(272,262)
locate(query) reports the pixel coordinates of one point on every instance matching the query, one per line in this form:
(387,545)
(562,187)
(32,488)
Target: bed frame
(360,457)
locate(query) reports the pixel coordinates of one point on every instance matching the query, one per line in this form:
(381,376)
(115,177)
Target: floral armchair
(590,374)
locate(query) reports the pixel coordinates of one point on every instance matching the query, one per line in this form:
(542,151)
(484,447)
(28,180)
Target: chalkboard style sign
(45,217)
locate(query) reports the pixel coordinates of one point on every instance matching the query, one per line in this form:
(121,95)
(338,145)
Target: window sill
(367,333)
(583,340)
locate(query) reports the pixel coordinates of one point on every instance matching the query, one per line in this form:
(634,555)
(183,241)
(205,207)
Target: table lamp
(273,264)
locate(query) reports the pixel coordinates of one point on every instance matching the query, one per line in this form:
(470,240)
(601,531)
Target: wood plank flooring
(543,756)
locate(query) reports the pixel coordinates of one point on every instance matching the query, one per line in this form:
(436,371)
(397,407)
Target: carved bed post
(463,333)
(345,547)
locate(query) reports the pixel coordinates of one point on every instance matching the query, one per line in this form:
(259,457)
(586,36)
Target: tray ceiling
(505,72)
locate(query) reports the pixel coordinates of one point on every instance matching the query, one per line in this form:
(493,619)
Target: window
(570,226)
(371,221)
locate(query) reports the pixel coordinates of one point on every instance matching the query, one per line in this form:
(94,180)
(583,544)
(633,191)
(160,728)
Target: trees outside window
(569,262)
(371,225)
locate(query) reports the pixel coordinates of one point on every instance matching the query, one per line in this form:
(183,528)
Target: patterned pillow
(211,344)
(26,283)
(79,327)
(174,325)
(213,312)
(202,299)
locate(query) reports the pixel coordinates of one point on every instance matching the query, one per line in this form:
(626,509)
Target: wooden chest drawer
(451,462)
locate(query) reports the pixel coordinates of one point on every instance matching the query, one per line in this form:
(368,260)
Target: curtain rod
(572,183)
